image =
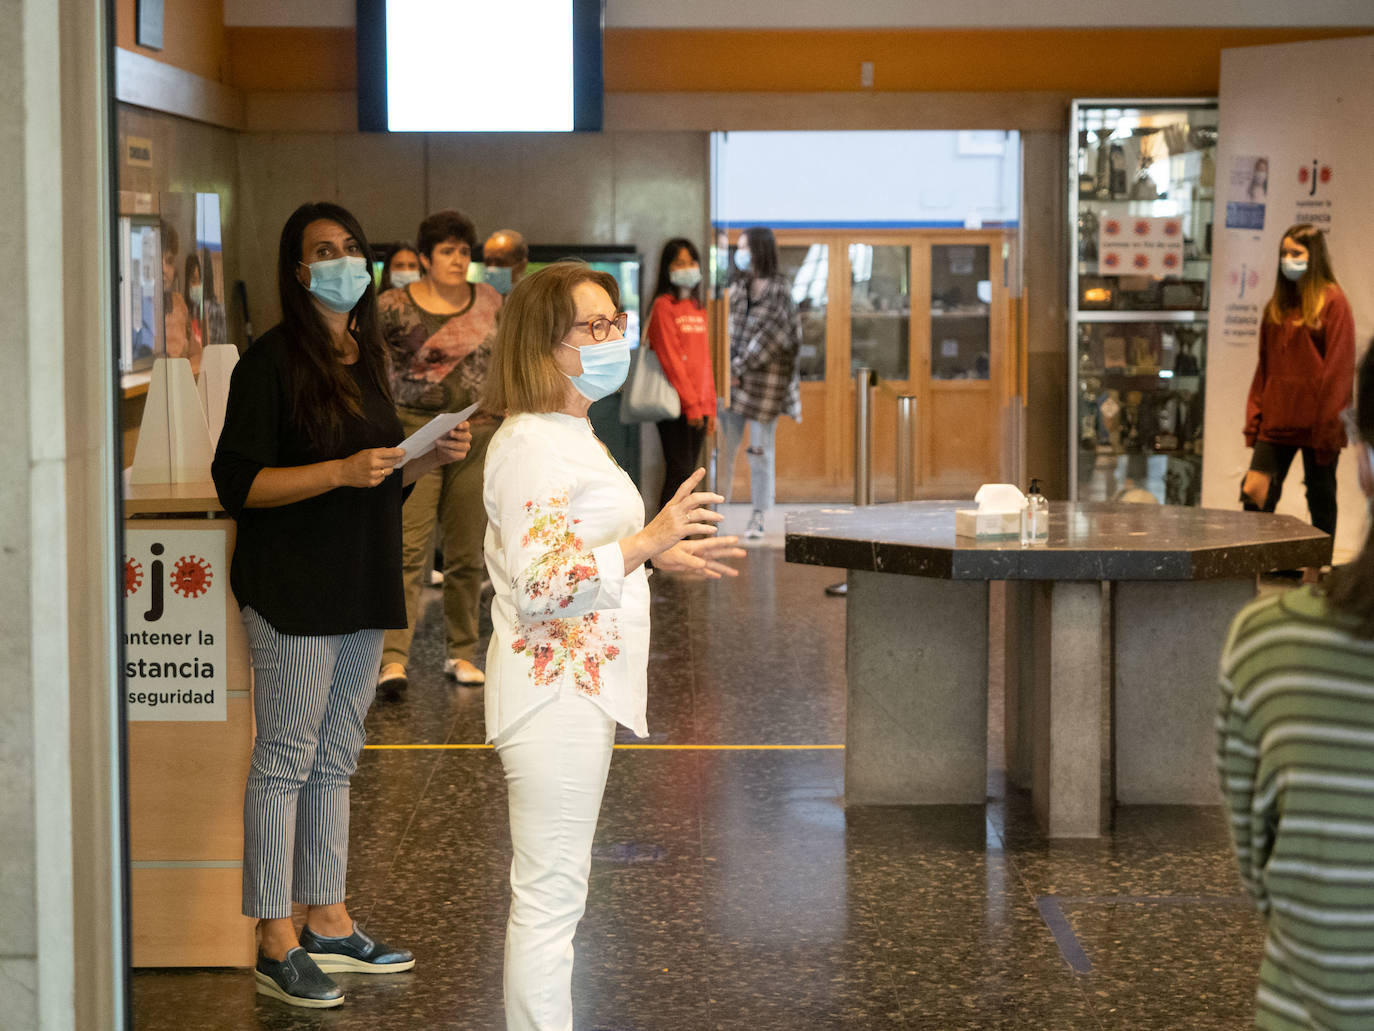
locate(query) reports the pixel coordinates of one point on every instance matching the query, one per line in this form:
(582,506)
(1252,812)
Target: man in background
(505,257)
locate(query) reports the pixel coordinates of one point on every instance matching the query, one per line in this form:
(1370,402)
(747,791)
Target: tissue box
(987,526)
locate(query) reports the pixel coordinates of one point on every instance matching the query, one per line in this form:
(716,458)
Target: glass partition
(807,268)
(880,309)
(960,311)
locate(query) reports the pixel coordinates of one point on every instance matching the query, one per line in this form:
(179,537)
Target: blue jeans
(759,452)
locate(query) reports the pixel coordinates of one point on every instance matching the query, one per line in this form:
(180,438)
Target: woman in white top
(566,548)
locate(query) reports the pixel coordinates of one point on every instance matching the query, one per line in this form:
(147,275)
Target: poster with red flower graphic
(1138,245)
(175,586)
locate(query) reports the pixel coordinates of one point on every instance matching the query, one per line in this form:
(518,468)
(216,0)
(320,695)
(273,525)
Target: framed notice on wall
(175,585)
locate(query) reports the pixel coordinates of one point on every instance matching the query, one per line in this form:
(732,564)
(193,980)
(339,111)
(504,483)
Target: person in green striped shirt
(1295,752)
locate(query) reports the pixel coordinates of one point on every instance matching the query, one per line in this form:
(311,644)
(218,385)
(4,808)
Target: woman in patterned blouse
(438,332)
(566,548)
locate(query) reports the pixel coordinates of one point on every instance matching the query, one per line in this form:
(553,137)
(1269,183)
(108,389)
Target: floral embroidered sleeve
(555,574)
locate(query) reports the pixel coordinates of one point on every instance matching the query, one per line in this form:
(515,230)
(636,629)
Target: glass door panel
(880,310)
(807,268)
(960,312)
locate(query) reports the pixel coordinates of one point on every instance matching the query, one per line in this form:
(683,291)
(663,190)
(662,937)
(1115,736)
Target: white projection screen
(419,61)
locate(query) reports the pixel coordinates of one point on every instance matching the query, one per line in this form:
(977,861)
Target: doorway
(928,312)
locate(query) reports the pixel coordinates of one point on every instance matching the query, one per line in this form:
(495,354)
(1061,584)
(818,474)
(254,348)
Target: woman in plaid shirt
(765,366)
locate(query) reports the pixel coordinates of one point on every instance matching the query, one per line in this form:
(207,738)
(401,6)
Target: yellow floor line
(646,748)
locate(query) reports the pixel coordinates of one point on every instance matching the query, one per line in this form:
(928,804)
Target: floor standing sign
(175,584)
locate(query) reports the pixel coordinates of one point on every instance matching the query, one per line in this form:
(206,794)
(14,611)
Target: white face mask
(403,277)
(1293,268)
(685,278)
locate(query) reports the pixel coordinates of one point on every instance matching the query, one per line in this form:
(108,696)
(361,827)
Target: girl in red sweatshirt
(677,333)
(1304,380)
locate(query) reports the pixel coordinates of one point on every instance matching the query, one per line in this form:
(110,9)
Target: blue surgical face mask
(497,278)
(604,368)
(685,278)
(339,283)
(403,277)
(742,260)
(1293,270)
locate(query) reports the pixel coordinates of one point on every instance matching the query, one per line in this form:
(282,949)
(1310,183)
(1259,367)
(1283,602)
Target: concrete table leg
(1018,685)
(1168,640)
(1067,717)
(917,658)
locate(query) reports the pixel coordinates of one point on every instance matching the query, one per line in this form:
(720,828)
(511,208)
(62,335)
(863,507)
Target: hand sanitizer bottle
(1035,517)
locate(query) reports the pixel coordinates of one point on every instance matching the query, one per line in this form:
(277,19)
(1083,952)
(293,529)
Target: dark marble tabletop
(1088,541)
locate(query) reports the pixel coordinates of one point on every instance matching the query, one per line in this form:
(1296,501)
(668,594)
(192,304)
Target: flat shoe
(297,981)
(464,672)
(356,953)
(392,683)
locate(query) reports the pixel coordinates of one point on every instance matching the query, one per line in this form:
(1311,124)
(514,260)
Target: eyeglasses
(600,327)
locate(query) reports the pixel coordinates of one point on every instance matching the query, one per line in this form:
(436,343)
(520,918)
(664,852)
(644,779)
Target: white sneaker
(464,672)
(754,530)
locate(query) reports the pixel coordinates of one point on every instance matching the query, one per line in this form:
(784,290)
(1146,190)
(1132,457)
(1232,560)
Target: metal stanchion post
(863,452)
(863,436)
(906,448)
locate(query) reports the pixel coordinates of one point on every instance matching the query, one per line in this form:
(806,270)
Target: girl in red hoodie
(1304,380)
(677,333)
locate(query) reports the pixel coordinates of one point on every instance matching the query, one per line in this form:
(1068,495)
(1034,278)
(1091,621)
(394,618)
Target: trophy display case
(1142,179)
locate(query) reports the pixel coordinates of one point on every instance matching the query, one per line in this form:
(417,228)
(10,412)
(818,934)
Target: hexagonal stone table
(1114,629)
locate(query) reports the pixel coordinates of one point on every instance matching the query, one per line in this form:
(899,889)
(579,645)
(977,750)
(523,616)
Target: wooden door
(963,362)
(893,301)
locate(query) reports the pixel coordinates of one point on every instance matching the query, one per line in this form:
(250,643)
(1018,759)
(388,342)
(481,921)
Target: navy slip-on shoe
(357,953)
(297,981)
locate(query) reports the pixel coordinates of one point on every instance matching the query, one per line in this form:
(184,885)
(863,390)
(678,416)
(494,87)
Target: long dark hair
(669,255)
(322,391)
(207,277)
(1350,588)
(192,262)
(763,252)
(1308,294)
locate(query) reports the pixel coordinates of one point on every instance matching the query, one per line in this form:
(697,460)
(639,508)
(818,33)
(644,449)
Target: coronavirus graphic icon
(133,576)
(191,576)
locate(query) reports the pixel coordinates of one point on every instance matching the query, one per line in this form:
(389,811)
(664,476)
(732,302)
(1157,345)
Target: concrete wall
(1044,276)
(59,877)
(639,188)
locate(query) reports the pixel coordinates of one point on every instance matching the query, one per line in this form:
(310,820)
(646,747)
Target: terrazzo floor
(730,888)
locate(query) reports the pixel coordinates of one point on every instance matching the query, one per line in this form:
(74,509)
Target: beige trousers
(452,497)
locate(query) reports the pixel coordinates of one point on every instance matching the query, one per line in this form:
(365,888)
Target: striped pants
(310,696)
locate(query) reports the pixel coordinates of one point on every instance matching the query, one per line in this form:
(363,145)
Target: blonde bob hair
(537,316)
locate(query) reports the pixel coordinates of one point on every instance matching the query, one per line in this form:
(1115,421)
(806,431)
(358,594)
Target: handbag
(648,396)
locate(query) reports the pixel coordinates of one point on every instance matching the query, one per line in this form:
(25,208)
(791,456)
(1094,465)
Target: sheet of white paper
(422,441)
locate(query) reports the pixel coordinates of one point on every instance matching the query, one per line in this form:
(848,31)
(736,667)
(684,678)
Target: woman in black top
(305,466)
